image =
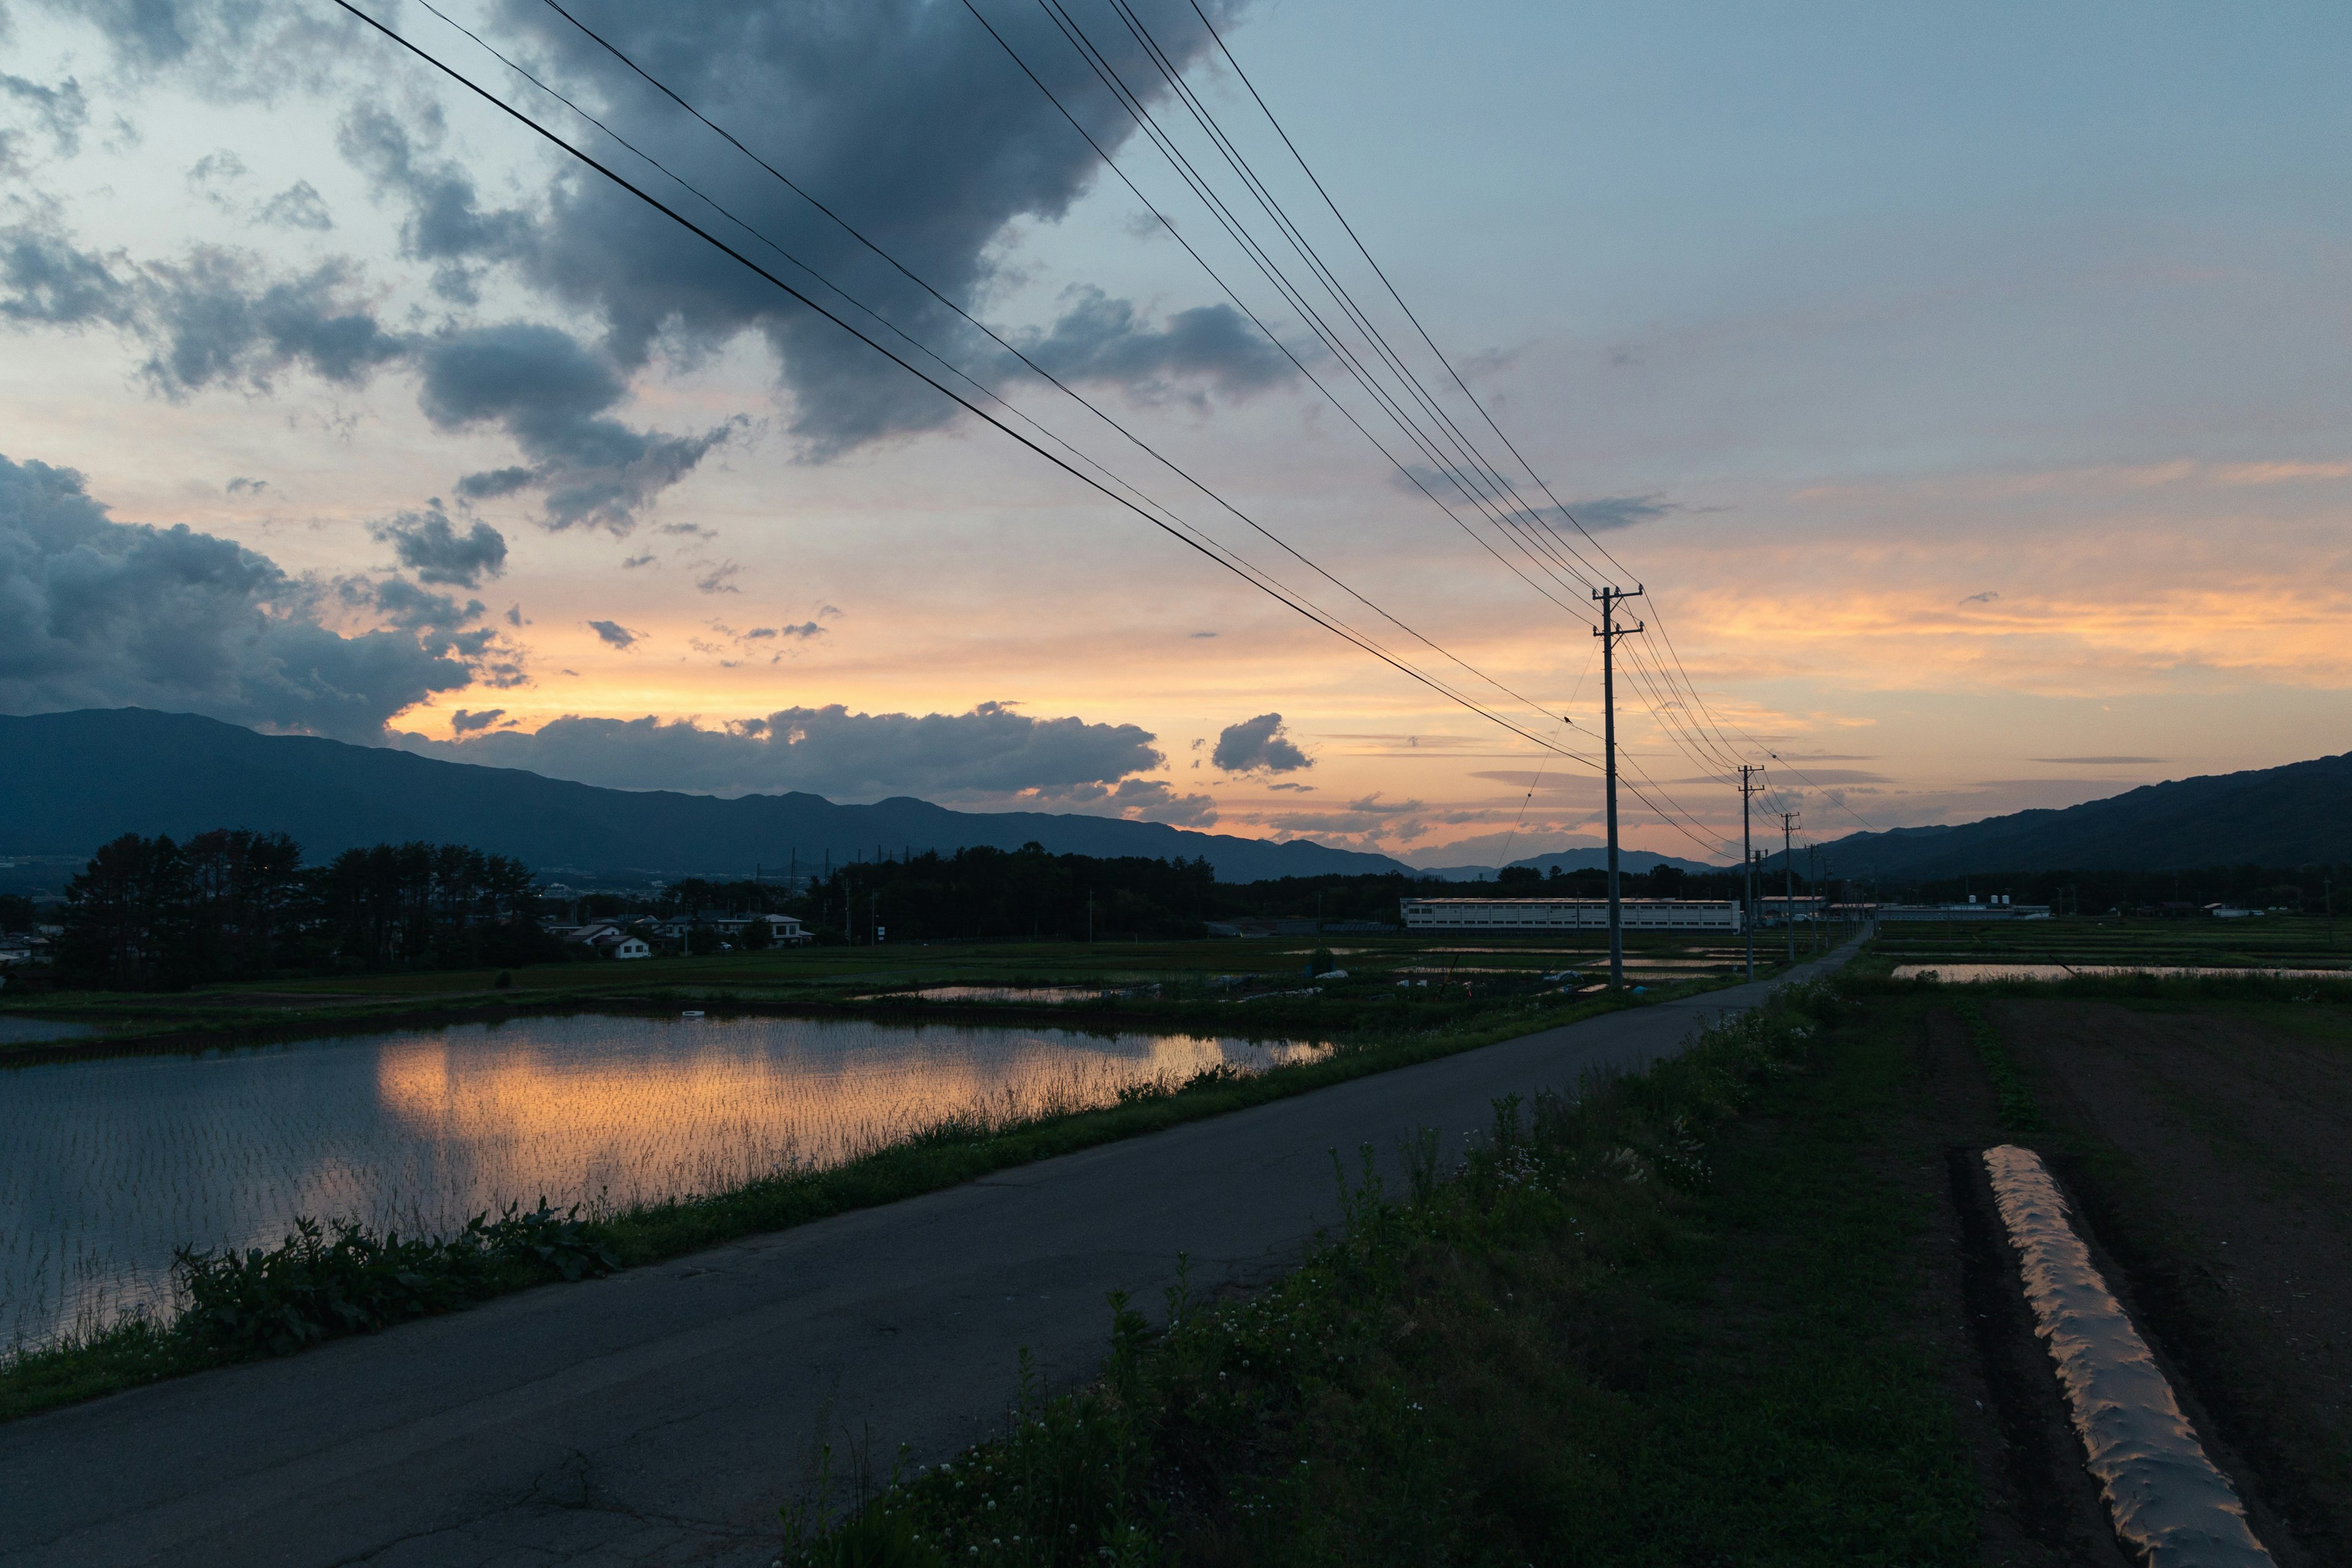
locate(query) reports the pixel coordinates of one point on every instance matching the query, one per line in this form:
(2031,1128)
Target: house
(783,930)
(630,947)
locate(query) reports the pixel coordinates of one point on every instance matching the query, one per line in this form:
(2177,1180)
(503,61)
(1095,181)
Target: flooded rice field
(111,1164)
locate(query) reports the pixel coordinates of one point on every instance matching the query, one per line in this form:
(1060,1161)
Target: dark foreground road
(661,1417)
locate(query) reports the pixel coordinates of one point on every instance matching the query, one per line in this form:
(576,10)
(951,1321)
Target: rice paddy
(114,1163)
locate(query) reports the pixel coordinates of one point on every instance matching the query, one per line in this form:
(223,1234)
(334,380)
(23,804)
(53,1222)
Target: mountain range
(2298,814)
(70,781)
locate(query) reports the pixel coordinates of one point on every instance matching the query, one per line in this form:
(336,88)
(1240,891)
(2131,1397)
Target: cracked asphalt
(663,1415)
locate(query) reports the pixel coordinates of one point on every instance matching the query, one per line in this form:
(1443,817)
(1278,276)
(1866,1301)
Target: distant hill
(69,781)
(1633,861)
(2285,816)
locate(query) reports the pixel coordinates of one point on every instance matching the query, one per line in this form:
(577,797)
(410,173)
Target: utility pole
(1608,631)
(1788,874)
(1090,917)
(1748,789)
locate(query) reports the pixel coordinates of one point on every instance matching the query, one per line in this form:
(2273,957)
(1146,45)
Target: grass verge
(1638,1327)
(309,1289)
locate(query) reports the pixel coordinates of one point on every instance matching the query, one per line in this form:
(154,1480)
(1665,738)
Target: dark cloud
(465,723)
(299,206)
(214,316)
(57,112)
(1101,339)
(446,223)
(550,396)
(1604,513)
(1596,514)
(1259,745)
(97,614)
(245,485)
(904,116)
(615,633)
(428,544)
(1987,597)
(50,281)
(991,751)
(719,579)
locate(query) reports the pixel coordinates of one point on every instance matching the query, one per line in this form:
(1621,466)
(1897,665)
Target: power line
(1149,124)
(1024,358)
(1205,548)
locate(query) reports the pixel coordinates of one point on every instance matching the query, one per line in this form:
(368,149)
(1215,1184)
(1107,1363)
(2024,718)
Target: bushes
(311,1287)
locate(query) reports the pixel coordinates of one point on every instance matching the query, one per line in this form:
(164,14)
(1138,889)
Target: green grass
(1672,1323)
(1385,1035)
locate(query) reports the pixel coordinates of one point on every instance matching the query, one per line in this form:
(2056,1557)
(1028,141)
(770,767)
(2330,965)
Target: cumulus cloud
(220,316)
(216,315)
(933,157)
(989,751)
(1259,745)
(99,613)
(1101,339)
(428,543)
(551,396)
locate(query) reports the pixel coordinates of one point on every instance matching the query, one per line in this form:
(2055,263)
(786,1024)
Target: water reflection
(113,1163)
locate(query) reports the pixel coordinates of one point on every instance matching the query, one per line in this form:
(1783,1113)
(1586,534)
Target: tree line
(235,904)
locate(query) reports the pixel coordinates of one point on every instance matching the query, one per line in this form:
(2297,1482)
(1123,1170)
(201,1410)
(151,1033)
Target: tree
(126,921)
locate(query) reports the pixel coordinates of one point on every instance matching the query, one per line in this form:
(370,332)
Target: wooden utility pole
(1608,631)
(1789,875)
(1747,790)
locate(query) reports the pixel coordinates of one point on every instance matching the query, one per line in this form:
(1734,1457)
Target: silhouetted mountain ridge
(70,781)
(2298,814)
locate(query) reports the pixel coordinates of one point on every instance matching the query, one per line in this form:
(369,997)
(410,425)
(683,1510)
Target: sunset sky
(1966,385)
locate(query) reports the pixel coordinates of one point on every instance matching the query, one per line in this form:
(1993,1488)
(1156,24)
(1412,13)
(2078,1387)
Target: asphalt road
(661,1417)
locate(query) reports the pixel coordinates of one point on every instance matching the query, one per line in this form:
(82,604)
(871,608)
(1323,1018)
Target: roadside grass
(326,1297)
(1669,1322)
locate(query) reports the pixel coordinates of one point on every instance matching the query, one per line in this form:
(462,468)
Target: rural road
(661,1417)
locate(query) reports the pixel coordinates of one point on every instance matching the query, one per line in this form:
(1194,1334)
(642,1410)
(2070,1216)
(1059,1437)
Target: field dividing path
(662,1415)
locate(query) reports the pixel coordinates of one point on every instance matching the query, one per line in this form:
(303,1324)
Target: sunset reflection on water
(116,1162)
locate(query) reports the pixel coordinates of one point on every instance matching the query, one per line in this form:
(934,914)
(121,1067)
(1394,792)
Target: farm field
(2203,1144)
(2268,941)
(1144,977)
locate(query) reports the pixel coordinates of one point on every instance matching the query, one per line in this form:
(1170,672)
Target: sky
(1964,386)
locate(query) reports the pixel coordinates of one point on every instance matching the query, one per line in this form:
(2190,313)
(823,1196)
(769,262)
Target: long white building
(1569,915)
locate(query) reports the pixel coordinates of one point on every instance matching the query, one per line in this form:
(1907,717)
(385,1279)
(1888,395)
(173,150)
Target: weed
(1281,1428)
(2019,1112)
